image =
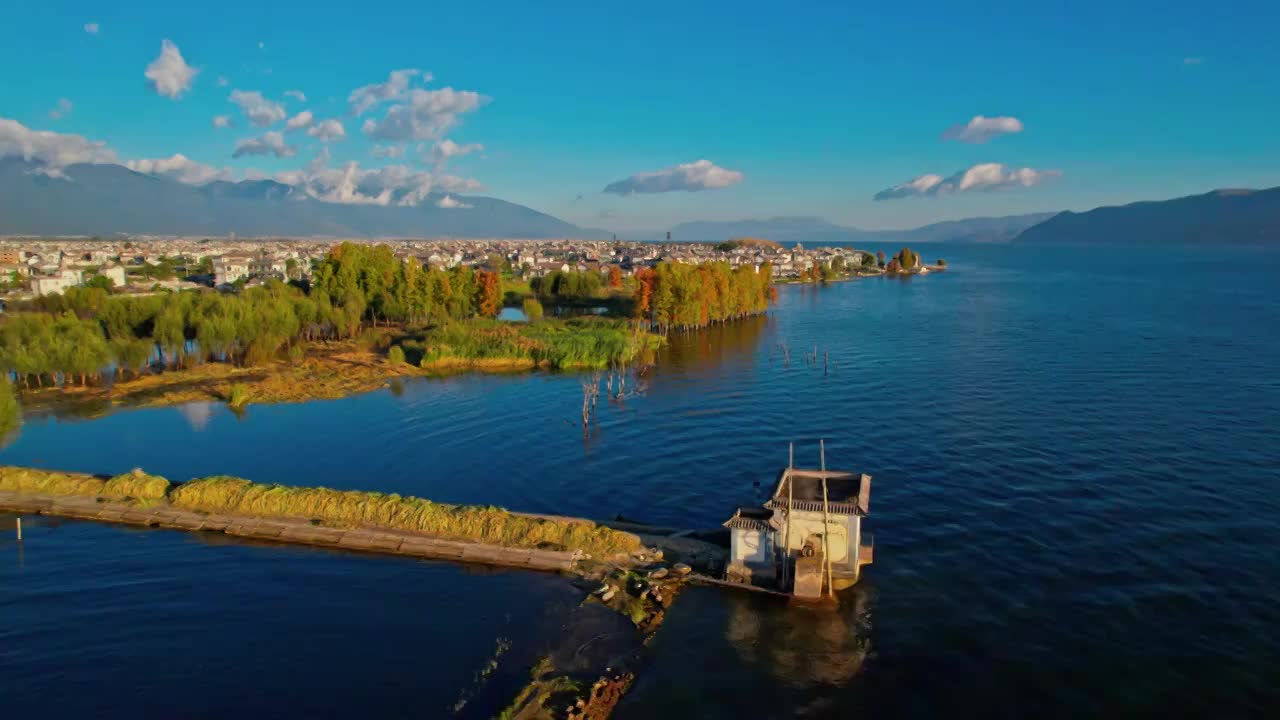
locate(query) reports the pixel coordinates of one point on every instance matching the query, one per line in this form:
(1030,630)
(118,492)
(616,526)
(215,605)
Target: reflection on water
(802,645)
(198,414)
(734,654)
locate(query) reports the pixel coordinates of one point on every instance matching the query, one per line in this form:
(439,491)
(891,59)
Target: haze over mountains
(789,230)
(104,199)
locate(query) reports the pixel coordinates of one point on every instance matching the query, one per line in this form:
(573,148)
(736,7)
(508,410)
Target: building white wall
(841,533)
(751,546)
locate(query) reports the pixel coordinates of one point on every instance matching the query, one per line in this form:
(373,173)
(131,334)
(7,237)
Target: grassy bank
(331,370)
(574,344)
(335,508)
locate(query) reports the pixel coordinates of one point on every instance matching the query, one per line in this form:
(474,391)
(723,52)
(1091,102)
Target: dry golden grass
(343,508)
(355,508)
(48,482)
(135,484)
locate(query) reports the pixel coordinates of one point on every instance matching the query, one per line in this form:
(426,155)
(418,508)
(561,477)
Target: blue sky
(800,109)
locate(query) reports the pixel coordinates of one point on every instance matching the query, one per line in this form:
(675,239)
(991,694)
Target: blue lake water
(1075,507)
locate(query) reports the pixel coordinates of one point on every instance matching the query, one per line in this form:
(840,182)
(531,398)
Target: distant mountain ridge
(106,199)
(795,229)
(1217,217)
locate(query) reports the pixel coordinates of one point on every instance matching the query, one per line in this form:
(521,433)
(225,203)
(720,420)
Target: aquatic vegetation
(579,343)
(353,508)
(135,484)
(239,395)
(47,482)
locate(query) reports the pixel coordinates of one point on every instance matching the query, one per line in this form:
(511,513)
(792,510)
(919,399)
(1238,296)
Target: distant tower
(668,236)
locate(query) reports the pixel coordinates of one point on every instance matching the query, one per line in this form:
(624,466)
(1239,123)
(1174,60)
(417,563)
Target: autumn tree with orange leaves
(488,293)
(615,277)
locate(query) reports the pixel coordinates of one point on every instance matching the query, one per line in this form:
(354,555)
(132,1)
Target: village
(32,267)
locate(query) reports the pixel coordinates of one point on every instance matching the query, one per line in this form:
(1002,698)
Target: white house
(807,536)
(56,283)
(230,268)
(115,272)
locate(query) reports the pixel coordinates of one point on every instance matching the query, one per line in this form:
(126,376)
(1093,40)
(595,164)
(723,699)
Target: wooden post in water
(786,543)
(19,521)
(826,520)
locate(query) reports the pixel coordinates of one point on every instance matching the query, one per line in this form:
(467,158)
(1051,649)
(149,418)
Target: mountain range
(789,230)
(104,199)
(1217,217)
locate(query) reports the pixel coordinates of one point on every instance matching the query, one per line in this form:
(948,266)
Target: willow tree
(10,412)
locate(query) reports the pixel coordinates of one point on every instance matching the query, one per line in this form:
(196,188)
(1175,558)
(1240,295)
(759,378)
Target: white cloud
(982,177)
(299,121)
(364,98)
(169,75)
(52,150)
(445,149)
(353,185)
(387,151)
(296,95)
(328,131)
(271,143)
(221,121)
(223,81)
(453,183)
(61,110)
(260,111)
(449,203)
(424,114)
(180,168)
(981,129)
(91,28)
(691,177)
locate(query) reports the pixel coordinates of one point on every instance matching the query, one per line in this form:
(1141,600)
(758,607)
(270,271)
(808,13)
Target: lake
(1075,503)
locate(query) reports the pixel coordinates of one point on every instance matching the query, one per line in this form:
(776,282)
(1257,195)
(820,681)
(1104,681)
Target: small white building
(115,272)
(807,539)
(55,283)
(230,268)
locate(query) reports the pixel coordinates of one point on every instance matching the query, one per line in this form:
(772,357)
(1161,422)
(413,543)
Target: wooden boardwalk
(292,531)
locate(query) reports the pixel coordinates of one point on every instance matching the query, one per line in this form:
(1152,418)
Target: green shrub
(395,355)
(532,309)
(239,395)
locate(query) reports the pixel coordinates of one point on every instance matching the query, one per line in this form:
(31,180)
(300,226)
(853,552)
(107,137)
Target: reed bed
(48,482)
(342,508)
(135,484)
(353,508)
(579,343)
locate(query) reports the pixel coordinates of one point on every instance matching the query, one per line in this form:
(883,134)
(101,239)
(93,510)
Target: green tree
(10,412)
(100,282)
(532,309)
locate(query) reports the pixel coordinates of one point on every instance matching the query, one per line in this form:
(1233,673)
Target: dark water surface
(1076,511)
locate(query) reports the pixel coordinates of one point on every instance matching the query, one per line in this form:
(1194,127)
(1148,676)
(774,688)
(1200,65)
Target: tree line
(78,336)
(75,337)
(678,296)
